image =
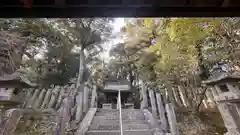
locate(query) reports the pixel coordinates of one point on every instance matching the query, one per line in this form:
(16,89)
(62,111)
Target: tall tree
(88,34)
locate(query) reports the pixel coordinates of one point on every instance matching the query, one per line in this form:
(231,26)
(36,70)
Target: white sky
(117,24)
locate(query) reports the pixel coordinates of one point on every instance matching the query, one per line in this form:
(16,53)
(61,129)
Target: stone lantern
(10,98)
(10,87)
(225,88)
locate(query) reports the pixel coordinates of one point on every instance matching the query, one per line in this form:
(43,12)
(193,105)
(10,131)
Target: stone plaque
(117,87)
(107,106)
(129,105)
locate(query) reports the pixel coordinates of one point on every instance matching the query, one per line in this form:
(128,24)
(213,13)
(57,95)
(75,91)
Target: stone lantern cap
(21,78)
(222,78)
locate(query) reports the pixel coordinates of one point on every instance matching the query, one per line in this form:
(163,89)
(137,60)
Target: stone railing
(160,109)
(65,103)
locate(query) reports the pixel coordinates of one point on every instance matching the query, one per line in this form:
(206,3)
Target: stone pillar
(172,119)
(176,96)
(31,101)
(40,99)
(79,111)
(46,99)
(161,111)
(214,92)
(218,90)
(85,98)
(54,96)
(94,97)
(153,103)
(66,112)
(210,98)
(183,96)
(29,95)
(205,104)
(13,116)
(118,99)
(144,102)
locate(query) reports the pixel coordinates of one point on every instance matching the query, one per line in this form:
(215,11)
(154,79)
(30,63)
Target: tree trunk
(153,103)
(94,97)
(40,99)
(82,66)
(204,71)
(85,99)
(144,102)
(161,111)
(131,77)
(201,98)
(80,86)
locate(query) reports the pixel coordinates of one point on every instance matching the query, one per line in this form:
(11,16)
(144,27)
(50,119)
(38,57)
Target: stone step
(107,110)
(96,121)
(123,114)
(117,132)
(100,118)
(104,112)
(117,117)
(116,110)
(117,126)
(131,113)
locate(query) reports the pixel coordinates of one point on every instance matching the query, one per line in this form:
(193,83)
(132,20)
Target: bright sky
(117,24)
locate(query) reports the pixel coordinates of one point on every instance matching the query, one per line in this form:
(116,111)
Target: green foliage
(51,45)
(190,30)
(174,54)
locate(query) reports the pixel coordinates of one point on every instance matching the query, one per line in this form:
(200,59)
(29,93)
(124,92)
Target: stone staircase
(106,122)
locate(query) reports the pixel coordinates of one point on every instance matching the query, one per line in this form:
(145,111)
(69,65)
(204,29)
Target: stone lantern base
(233,132)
